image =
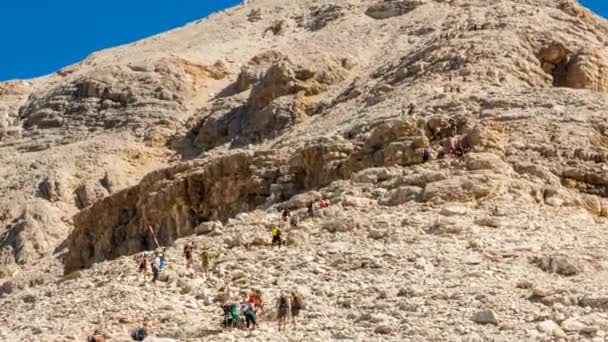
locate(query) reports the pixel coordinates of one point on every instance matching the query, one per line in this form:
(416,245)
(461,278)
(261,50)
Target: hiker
(411,109)
(248,311)
(155,264)
(96,337)
(286,214)
(255,298)
(295,220)
(296,307)
(142,260)
(322,204)
(139,334)
(231,316)
(162,258)
(283,309)
(426,155)
(188,254)
(311,209)
(276,236)
(453,127)
(452,145)
(207,258)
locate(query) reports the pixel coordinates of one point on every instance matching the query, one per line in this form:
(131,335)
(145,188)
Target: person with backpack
(255,298)
(286,214)
(283,310)
(296,307)
(295,220)
(276,236)
(138,334)
(155,264)
(311,210)
(162,258)
(188,248)
(426,155)
(322,204)
(248,311)
(142,261)
(207,258)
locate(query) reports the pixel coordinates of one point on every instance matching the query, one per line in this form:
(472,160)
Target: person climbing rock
(283,309)
(207,258)
(276,236)
(426,155)
(311,209)
(453,145)
(295,220)
(453,127)
(248,311)
(142,260)
(322,204)
(286,214)
(188,248)
(296,307)
(411,109)
(155,264)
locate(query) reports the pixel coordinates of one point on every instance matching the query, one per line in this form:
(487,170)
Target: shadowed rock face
(178,199)
(585,69)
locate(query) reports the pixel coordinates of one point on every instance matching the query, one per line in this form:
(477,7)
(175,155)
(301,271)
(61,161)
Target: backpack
(297,302)
(139,334)
(295,220)
(284,301)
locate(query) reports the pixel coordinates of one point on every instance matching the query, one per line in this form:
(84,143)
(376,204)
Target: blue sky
(598,6)
(39,37)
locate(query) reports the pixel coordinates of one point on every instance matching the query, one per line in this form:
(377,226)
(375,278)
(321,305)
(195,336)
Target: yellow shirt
(276,231)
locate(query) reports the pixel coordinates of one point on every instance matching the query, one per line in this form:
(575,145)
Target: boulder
(383,329)
(302,200)
(463,188)
(485,317)
(340,225)
(385,9)
(473,259)
(550,328)
(6,288)
(208,227)
(486,161)
(562,265)
(297,238)
(401,195)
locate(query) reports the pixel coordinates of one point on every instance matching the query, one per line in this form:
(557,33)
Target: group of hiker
(454,147)
(155,260)
(294,220)
(244,315)
(206,255)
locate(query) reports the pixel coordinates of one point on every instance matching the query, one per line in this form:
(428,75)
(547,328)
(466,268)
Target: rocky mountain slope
(209,131)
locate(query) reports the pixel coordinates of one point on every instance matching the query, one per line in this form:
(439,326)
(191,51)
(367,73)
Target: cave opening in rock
(555,60)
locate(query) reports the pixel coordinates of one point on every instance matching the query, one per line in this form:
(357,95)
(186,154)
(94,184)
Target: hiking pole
(153,235)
